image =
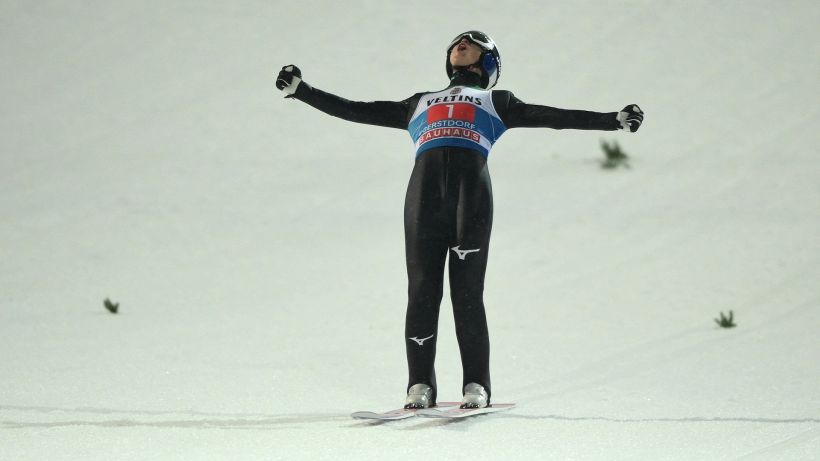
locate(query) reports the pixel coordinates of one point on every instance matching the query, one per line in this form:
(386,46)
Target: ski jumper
(448,208)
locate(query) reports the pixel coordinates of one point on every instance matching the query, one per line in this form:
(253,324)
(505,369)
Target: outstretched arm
(382,113)
(516,113)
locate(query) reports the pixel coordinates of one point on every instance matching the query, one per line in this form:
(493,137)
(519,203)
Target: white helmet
(489,61)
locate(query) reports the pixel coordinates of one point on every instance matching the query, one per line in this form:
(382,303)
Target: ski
(455,413)
(400,413)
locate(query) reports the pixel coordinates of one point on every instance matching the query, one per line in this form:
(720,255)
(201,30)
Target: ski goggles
(475,37)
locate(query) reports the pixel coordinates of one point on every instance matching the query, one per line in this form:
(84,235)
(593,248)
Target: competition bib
(456,117)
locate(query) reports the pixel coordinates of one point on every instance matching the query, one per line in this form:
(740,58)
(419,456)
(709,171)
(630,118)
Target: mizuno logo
(420,341)
(462,254)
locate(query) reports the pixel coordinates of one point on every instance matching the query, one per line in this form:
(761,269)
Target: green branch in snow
(726,322)
(615,156)
(112,307)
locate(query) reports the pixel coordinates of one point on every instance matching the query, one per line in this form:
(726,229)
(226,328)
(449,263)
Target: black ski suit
(448,209)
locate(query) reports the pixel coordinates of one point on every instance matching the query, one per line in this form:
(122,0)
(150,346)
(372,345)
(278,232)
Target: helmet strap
(474,67)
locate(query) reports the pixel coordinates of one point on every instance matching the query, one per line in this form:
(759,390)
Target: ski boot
(419,396)
(475,396)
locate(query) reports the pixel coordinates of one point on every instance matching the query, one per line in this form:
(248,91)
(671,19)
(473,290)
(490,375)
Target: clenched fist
(631,118)
(289,79)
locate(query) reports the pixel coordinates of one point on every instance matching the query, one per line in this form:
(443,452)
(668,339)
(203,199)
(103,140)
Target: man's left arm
(516,113)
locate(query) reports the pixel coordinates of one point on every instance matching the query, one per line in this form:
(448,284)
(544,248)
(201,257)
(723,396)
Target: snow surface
(256,245)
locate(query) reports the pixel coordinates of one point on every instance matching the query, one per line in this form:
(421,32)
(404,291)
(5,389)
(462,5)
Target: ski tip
(386,416)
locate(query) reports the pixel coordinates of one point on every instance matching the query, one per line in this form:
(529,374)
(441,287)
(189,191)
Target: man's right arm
(382,113)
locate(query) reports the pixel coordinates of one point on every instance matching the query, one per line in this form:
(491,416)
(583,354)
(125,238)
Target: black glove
(630,117)
(288,80)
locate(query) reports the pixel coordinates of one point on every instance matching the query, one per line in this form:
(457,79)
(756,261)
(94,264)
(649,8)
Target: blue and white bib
(456,117)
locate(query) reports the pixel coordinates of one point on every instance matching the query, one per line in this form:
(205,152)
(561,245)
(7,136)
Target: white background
(256,245)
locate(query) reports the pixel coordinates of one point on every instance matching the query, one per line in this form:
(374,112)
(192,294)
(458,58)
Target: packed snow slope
(255,245)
